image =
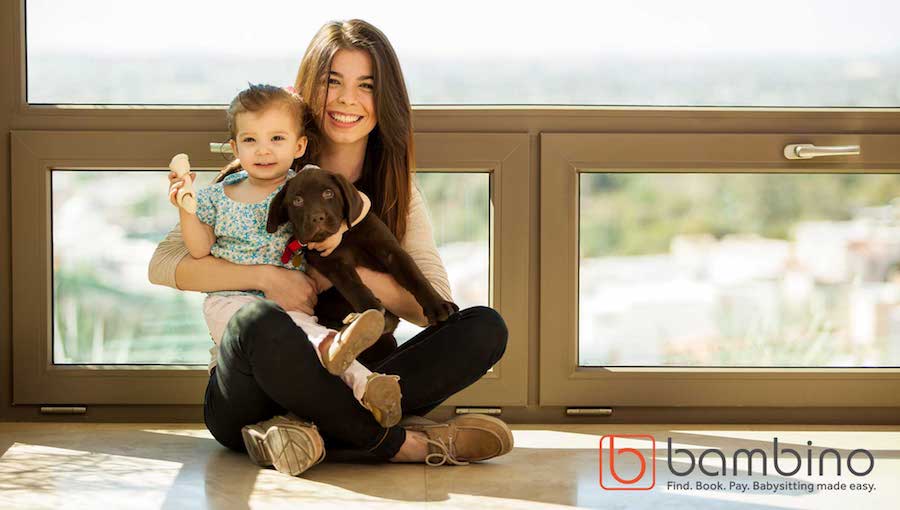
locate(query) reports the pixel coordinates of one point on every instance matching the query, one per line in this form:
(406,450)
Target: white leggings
(217,310)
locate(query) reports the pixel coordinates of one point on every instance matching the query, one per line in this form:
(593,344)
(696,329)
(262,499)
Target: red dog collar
(294,247)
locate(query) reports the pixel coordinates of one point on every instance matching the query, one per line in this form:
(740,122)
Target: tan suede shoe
(382,398)
(411,419)
(362,330)
(288,443)
(466,438)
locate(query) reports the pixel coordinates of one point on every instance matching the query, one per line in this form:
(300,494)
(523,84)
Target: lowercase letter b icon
(627,462)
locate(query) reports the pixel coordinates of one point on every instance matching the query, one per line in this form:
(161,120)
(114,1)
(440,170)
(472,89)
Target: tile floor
(114,466)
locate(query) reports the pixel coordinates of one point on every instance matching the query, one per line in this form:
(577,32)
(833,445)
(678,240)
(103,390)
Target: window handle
(809,151)
(220,148)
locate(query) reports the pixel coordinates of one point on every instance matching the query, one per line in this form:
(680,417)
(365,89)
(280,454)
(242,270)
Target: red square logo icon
(624,468)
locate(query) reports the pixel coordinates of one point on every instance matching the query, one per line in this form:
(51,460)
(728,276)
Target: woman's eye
(327,194)
(370,86)
(298,201)
(332,81)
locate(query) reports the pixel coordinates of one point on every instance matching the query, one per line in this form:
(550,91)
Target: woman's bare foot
(414,449)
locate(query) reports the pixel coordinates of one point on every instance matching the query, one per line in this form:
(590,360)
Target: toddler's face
(267,142)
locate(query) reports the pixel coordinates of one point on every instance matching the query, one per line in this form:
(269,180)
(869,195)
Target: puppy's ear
(352,203)
(277,211)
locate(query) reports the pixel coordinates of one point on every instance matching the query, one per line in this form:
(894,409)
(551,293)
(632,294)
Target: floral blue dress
(240,229)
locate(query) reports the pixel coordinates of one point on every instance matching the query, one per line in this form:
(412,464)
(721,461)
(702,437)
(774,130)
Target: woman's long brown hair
(387,170)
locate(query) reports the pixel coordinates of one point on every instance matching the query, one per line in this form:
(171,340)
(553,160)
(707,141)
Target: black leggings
(267,367)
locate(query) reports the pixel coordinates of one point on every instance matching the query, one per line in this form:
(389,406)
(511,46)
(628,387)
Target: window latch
(809,151)
(220,148)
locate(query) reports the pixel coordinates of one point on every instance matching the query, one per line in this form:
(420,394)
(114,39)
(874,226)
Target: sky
(466,27)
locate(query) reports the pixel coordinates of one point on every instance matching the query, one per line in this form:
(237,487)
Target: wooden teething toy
(186,198)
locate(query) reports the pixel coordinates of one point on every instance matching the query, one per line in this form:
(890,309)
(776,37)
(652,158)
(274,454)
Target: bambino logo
(616,471)
(623,467)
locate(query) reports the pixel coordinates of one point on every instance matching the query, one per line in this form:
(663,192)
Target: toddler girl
(267,135)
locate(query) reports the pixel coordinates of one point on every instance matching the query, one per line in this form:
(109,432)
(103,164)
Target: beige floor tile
(113,466)
(173,466)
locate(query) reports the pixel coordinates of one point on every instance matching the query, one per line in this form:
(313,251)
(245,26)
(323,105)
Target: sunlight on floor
(42,476)
(198,433)
(552,466)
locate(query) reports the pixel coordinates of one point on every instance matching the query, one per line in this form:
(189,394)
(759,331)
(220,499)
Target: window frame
(531,122)
(35,154)
(563,382)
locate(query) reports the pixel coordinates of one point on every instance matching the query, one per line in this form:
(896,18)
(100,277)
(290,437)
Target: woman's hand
(322,283)
(175,183)
(329,244)
(291,289)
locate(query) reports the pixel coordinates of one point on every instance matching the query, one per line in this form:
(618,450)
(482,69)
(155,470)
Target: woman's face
(350,98)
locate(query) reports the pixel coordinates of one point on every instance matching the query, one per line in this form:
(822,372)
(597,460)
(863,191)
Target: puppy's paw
(439,311)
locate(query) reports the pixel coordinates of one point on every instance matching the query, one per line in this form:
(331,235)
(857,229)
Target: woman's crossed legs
(267,367)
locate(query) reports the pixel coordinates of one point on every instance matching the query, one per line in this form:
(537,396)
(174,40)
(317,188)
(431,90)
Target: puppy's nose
(318,218)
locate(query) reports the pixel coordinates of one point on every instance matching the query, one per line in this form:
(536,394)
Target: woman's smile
(344,119)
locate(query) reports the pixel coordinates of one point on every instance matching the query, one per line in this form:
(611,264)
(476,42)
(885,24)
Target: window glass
(802,53)
(459,207)
(106,225)
(739,270)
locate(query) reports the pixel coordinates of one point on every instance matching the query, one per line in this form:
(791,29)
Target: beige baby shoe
(362,330)
(382,398)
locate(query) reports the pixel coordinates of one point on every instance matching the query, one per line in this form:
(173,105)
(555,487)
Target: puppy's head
(315,201)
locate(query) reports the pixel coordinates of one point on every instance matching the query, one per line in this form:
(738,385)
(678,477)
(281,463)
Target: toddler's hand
(329,244)
(175,183)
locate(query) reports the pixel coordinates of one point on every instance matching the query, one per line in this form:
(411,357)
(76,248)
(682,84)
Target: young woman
(267,134)
(351,78)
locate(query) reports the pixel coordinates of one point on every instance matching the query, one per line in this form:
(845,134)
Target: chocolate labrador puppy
(316,201)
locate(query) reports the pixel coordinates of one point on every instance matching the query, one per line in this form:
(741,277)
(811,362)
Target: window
(654,52)
(459,207)
(106,226)
(84,249)
(748,270)
(610,100)
(707,270)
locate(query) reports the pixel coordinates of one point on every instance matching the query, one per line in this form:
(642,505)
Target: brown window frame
(534,332)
